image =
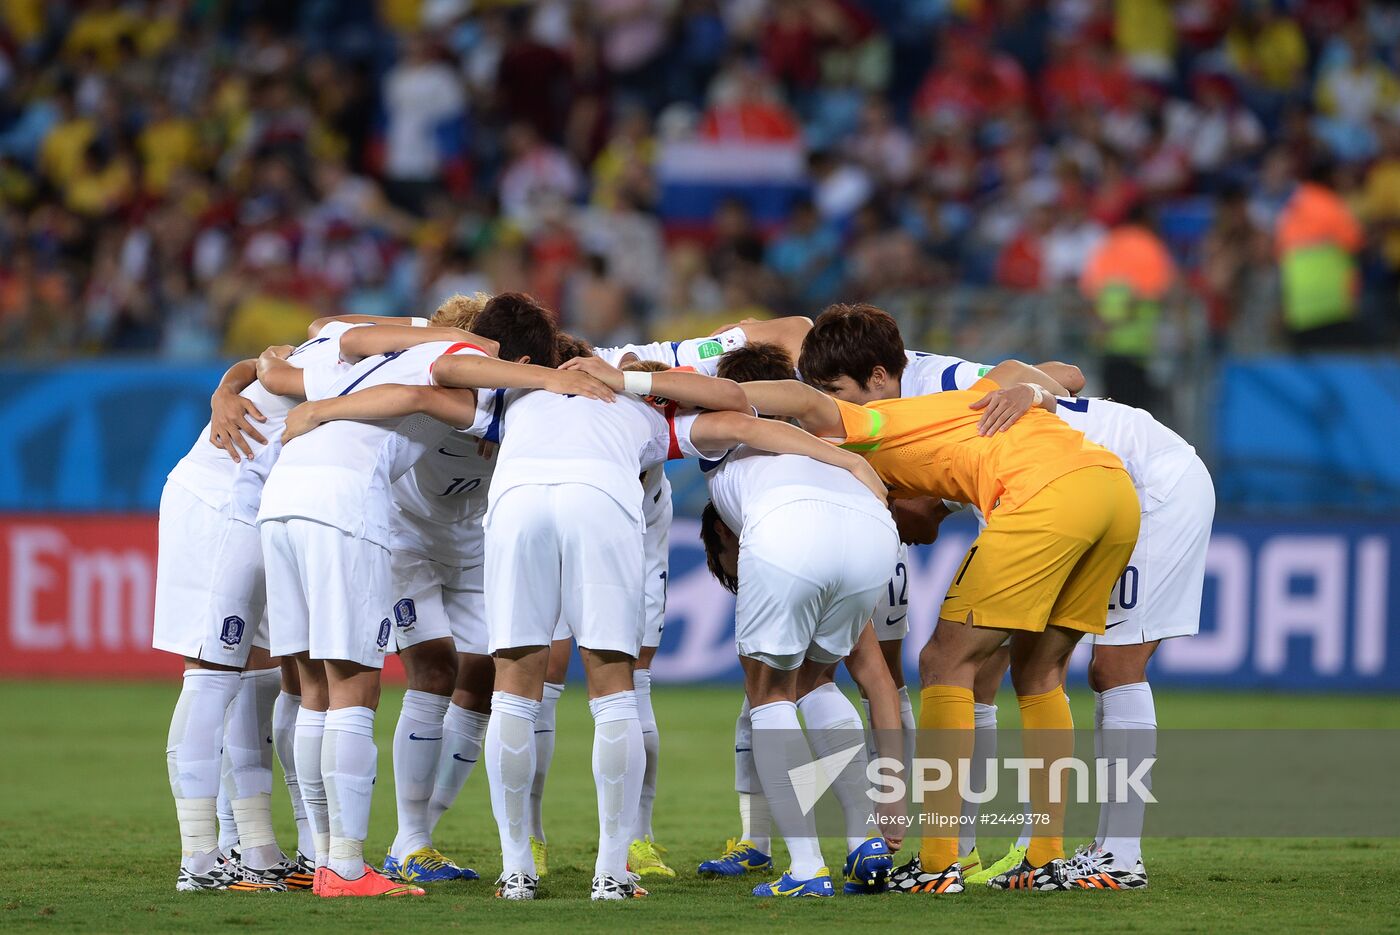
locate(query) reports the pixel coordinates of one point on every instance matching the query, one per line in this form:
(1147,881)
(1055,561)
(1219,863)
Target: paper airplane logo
(811,780)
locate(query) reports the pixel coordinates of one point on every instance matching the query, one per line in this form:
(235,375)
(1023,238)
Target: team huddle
(480,492)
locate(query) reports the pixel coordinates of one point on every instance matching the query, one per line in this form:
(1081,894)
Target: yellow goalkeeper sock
(946,733)
(1049,736)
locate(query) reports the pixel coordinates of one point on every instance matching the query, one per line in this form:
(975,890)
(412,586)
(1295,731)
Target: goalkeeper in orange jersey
(1062,520)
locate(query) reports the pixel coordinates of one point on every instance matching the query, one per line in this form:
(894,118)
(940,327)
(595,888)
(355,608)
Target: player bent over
(1062,521)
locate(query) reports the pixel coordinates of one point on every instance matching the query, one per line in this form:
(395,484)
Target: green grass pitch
(88,839)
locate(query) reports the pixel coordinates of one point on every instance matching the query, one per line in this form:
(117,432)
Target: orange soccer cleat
(332,885)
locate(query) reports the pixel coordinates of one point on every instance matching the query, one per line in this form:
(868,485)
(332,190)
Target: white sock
(771,754)
(1130,736)
(651,747)
(248,754)
(1102,831)
(984,749)
(284,732)
(462,734)
(832,727)
(310,738)
(871,750)
(618,765)
(417,753)
(544,753)
(192,760)
(348,761)
(510,768)
(910,724)
(755,821)
(223,805)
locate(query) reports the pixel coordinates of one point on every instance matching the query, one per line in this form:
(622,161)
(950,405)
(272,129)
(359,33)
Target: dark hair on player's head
(760,361)
(851,341)
(567,347)
(710,525)
(521,326)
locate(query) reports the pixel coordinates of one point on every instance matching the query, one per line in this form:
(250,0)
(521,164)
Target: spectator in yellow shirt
(99,31)
(168,143)
(61,152)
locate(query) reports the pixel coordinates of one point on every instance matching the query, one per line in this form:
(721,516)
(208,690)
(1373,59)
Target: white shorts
(563,554)
(891,617)
(328,592)
(1159,595)
(656,547)
(656,544)
(209,582)
(810,573)
(433,601)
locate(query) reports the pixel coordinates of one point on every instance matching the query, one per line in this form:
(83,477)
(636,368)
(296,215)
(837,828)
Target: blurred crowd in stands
(197,179)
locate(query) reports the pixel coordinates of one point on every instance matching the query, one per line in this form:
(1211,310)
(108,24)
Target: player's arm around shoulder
(815,411)
(277,376)
(359,343)
(451,406)
(477,372)
(723,430)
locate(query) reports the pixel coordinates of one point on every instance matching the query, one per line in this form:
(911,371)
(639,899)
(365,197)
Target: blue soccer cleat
(819,885)
(425,865)
(868,867)
(739,858)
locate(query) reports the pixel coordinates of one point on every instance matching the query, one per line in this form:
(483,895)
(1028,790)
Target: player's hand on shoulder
(597,368)
(575,382)
(1001,408)
(230,427)
(302,419)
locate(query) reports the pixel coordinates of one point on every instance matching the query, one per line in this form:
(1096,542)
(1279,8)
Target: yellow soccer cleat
(540,851)
(970,864)
(644,857)
(1010,862)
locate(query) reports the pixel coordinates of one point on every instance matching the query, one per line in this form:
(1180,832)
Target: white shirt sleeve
(490,413)
(682,446)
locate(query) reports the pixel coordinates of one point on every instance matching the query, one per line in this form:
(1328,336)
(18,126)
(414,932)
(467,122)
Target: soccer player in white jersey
(439,619)
(325,523)
(210,559)
(812,552)
(644,855)
(1158,596)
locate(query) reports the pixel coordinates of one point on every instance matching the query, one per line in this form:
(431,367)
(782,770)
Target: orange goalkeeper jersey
(929,446)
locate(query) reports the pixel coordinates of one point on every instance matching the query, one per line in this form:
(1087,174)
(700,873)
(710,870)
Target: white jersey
(551,439)
(1154,455)
(700,354)
(747,484)
(926,374)
(341,473)
(440,501)
(236,487)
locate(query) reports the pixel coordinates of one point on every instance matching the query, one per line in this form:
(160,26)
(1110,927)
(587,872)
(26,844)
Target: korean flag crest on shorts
(382,640)
(405,613)
(231,633)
